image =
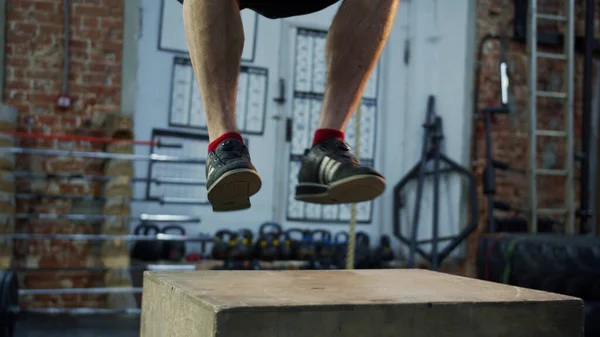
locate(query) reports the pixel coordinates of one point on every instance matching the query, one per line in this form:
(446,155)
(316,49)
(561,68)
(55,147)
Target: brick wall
(510,133)
(34,78)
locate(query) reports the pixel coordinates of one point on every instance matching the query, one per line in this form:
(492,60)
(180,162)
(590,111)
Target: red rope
(78,138)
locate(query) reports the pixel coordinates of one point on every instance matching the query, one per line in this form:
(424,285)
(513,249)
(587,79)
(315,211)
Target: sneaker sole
(346,191)
(232,191)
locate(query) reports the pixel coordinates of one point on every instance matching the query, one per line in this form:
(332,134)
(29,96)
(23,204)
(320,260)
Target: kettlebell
(340,241)
(147,251)
(293,236)
(285,247)
(362,251)
(385,249)
(219,249)
(323,246)
(173,250)
(240,245)
(306,248)
(267,246)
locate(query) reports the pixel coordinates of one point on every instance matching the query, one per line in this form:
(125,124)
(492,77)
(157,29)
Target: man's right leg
(215,38)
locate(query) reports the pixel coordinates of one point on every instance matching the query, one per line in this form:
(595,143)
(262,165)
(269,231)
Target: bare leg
(328,174)
(354,44)
(216,40)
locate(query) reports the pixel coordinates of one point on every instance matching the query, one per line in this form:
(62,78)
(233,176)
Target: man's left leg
(330,174)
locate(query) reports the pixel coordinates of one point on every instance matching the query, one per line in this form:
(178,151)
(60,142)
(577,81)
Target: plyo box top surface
(221,290)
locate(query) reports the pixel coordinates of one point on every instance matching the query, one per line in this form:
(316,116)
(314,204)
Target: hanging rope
(352,231)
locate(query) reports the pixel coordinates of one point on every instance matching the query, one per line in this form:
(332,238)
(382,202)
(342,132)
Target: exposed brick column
(34,78)
(510,135)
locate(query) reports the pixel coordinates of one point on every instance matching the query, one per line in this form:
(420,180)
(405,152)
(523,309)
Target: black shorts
(276,9)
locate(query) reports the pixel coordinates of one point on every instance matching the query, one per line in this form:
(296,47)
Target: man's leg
(216,40)
(329,173)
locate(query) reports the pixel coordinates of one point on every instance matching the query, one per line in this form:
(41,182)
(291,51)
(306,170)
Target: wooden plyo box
(365,303)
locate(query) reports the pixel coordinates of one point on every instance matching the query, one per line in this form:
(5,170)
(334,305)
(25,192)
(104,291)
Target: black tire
(556,263)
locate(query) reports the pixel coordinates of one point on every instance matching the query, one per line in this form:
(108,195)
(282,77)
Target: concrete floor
(89,326)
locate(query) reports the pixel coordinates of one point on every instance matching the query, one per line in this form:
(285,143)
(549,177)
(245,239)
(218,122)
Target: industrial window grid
(308,89)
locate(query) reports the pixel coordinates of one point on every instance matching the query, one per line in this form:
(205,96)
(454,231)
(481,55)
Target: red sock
(215,143)
(323,134)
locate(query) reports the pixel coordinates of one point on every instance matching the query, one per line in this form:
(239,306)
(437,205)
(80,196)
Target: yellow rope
(352,231)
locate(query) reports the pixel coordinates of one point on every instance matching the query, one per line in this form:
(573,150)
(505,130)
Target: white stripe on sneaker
(327,169)
(210,172)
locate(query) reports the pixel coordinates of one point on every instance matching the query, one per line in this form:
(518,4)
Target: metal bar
(89,139)
(420,181)
(75,311)
(439,239)
(584,198)
(435,258)
(30,196)
(532,86)
(103,155)
(548,172)
(551,133)
(104,269)
(155,180)
(3,13)
(101,217)
(550,94)
(553,211)
(108,290)
(552,56)
(101,237)
(66,53)
(163,200)
(569,50)
(550,17)
(489,171)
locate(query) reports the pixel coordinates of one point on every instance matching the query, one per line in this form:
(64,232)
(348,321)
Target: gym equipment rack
(9,290)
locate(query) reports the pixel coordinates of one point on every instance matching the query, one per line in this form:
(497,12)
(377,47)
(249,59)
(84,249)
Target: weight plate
(9,297)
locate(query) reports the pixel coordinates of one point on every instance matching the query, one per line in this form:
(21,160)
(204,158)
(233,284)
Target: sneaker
(231,179)
(330,174)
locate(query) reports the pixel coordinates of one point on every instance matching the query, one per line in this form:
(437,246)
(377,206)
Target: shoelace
(341,152)
(230,150)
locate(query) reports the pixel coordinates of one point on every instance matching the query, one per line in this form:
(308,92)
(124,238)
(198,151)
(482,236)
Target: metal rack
(142,218)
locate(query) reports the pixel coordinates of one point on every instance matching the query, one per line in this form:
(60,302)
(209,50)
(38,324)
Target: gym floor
(89,326)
